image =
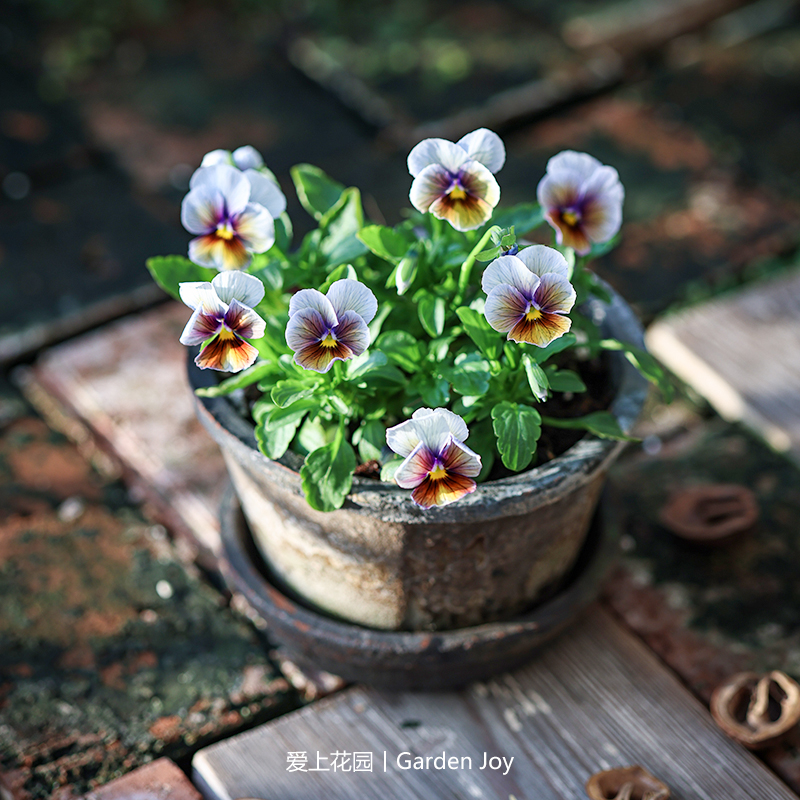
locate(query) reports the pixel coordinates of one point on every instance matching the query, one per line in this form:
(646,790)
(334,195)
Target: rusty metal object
(406,660)
(626,783)
(710,514)
(382,562)
(757,710)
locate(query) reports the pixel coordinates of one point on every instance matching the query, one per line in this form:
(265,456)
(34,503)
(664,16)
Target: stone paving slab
(160,780)
(714,612)
(112,652)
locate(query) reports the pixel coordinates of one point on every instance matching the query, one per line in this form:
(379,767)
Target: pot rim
(548,481)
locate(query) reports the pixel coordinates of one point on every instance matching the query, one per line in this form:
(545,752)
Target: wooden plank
(597,698)
(742,353)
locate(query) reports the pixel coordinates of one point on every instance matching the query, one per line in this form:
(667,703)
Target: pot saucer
(404,660)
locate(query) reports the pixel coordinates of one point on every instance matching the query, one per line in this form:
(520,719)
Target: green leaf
(291,415)
(401,348)
(601,423)
(406,273)
(370,438)
(342,272)
(327,475)
(469,375)
(284,393)
(275,430)
(482,441)
(645,363)
(340,225)
(316,191)
(490,254)
(267,270)
(537,378)
(523,217)
(389,468)
(435,392)
(517,429)
(239,381)
(479,330)
(385,242)
(565,380)
(283,233)
(169,271)
(542,354)
(431,312)
(312,435)
(365,363)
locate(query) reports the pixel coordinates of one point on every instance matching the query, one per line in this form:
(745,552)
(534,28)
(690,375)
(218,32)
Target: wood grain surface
(598,698)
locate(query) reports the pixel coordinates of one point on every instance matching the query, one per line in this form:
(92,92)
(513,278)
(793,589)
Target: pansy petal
(504,308)
(255,228)
(216,157)
(479,182)
(415,468)
(554,294)
(429,186)
(266,192)
(434,432)
(247,157)
(352,332)
(436,151)
(559,192)
(573,236)
(570,165)
(463,214)
(319,358)
(202,209)
(456,425)
(540,331)
(226,179)
(243,321)
(443,491)
(509,271)
(222,254)
(485,146)
(196,293)
(458,459)
(305,328)
(227,354)
(541,260)
(602,211)
(311,298)
(201,326)
(403,438)
(247,289)
(350,295)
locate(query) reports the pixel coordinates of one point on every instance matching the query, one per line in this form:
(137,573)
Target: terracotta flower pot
(382,562)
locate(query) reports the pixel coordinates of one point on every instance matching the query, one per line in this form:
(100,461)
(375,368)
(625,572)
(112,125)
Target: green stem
(466,267)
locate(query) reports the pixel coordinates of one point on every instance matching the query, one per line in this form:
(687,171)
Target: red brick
(160,780)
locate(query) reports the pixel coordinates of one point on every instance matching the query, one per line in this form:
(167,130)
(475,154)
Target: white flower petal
(201,326)
(509,271)
(573,165)
(413,471)
(455,424)
(434,431)
(460,460)
(403,438)
(350,295)
(234,285)
(197,293)
(266,192)
(202,209)
(313,299)
(216,157)
(485,146)
(227,180)
(540,260)
(436,151)
(247,157)
(256,228)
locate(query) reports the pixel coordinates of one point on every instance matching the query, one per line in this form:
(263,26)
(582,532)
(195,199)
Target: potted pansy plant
(417,419)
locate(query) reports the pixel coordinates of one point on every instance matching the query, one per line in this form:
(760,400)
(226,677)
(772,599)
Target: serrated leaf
(327,475)
(537,378)
(431,312)
(170,271)
(565,380)
(385,242)
(401,348)
(316,191)
(479,330)
(284,393)
(601,423)
(517,429)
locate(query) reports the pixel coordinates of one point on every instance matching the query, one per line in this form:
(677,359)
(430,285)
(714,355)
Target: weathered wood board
(742,353)
(597,698)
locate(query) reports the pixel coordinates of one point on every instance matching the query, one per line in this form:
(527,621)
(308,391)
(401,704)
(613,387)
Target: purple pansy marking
(437,464)
(223,318)
(333,327)
(529,295)
(454,180)
(582,200)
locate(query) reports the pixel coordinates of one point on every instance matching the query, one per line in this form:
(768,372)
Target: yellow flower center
(570,217)
(225,231)
(225,334)
(329,340)
(437,473)
(457,193)
(533,313)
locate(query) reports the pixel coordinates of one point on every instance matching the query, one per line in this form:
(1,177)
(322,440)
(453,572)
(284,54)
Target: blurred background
(108,106)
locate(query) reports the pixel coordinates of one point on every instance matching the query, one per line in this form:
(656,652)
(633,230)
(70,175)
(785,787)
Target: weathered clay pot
(382,562)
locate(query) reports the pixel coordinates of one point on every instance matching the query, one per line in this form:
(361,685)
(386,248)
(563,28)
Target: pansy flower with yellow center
(333,327)
(455,181)
(529,295)
(230,227)
(437,464)
(582,200)
(224,319)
